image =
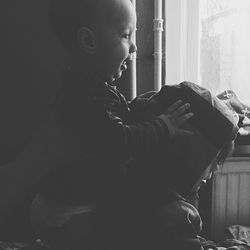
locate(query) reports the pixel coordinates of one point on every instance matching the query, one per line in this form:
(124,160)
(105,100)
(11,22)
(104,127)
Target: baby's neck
(85,74)
(84,66)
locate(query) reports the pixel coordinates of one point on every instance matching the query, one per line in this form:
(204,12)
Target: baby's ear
(86,40)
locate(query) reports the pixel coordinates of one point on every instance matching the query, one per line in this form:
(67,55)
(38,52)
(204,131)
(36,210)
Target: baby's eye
(126,36)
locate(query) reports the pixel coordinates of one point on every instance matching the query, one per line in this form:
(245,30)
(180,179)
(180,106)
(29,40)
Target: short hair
(67,16)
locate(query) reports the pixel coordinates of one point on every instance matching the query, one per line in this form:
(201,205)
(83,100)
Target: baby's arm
(113,135)
(139,110)
(148,106)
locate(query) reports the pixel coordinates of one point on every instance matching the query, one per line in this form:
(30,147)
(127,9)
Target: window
(208,42)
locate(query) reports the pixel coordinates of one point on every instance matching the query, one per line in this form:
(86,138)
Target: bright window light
(225,46)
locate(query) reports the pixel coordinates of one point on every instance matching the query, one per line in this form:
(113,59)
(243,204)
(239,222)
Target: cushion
(191,158)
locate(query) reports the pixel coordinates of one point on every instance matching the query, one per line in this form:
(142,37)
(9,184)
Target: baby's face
(114,39)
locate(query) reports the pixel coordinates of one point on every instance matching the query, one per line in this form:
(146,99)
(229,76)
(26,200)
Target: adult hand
(175,116)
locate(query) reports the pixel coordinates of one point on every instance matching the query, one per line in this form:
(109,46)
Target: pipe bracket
(158,24)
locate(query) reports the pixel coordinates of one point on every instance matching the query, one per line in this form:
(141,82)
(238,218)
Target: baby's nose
(132,49)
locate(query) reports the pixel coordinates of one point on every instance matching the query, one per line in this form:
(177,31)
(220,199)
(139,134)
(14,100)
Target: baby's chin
(116,75)
(113,78)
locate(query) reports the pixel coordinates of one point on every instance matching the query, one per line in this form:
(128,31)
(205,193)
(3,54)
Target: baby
(88,202)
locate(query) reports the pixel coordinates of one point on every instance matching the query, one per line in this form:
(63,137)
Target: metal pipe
(133,78)
(158,29)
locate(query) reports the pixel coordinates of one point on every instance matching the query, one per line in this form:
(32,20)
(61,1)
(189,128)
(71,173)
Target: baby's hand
(174,117)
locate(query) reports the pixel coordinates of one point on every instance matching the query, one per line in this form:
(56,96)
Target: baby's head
(97,33)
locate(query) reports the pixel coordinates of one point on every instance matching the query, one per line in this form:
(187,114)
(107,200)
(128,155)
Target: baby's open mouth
(118,74)
(124,66)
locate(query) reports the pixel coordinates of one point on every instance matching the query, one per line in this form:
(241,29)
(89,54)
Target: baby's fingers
(183,118)
(184,132)
(173,107)
(179,111)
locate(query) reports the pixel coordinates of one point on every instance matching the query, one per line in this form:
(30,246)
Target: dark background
(30,62)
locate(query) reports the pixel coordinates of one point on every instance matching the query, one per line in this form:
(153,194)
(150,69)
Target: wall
(145,43)
(30,60)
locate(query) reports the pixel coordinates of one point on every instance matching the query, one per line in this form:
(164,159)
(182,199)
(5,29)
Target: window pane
(225,46)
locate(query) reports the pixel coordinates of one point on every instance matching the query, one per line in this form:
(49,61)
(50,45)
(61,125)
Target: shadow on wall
(31,60)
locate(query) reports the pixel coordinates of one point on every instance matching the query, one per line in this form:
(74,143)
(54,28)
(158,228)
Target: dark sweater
(113,131)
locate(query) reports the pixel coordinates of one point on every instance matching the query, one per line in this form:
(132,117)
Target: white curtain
(208,42)
(225,46)
(182,43)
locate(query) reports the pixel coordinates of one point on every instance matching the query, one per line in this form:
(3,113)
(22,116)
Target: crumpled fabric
(237,238)
(36,245)
(239,232)
(241,109)
(181,223)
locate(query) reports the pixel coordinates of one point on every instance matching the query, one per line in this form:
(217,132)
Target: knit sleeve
(109,134)
(103,118)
